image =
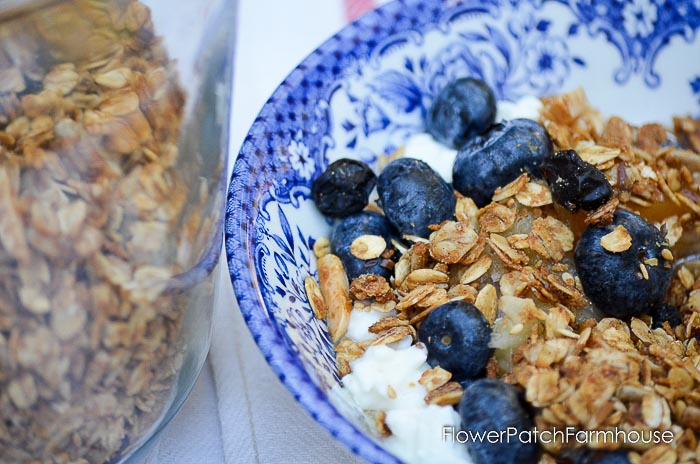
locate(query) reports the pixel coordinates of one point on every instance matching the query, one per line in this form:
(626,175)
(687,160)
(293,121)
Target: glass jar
(113,137)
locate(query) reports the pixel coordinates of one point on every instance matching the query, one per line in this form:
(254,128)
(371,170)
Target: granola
(513,258)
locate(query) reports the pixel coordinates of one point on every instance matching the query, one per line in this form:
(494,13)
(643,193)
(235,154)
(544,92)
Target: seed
(645,273)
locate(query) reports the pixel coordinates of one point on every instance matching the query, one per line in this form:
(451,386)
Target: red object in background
(356,8)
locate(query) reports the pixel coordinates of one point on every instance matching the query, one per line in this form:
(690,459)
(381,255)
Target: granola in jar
(102,216)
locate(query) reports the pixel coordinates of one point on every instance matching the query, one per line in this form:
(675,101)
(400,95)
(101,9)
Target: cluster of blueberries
(413,196)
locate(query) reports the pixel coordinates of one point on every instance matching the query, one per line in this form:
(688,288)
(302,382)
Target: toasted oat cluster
(514,260)
(91,197)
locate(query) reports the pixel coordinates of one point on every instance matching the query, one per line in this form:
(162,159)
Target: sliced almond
(487,302)
(466,211)
(687,201)
(413,297)
(551,238)
(476,270)
(436,298)
(674,230)
(596,154)
(685,277)
(336,292)
(415,238)
(313,293)
(496,218)
(461,292)
(652,410)
(322,247)
(114,79)
(641,330)
(402,269)
(510,257)
(446,395)
(387,323)
(617,241)
(368,247)
(395,334)
(434,378)
(511,189)
(534,195)
(425,276)
(518,241)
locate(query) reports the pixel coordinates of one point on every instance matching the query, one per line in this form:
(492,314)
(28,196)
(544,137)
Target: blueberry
(499,157)
(343,189)
(604,457)
(463,109)
(493,405)
(348,229)
(575,184)
(665,313)
(414,196)
(614,282)
(457,336)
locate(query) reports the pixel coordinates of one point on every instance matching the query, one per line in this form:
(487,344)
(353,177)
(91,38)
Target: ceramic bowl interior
(364,91)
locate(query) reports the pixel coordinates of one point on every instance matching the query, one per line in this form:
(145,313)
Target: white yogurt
(440,157)
(527,107)
(418,438)
(360,322)
(385,378)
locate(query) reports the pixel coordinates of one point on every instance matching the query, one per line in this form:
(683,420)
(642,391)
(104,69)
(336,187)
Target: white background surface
(239,412)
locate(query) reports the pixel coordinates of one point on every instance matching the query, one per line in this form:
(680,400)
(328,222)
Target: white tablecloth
(239,412)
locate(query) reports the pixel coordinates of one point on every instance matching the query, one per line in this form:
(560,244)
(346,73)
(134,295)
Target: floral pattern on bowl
(363,92)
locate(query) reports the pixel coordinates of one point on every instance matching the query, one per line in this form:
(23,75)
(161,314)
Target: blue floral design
(639,29)
(548,62)
(639,17)
(373,117)
(527,57)
(300,158)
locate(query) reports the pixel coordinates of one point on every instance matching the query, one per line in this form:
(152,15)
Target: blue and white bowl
(364,91)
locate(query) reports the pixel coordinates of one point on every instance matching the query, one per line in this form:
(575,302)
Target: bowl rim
(240,259)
